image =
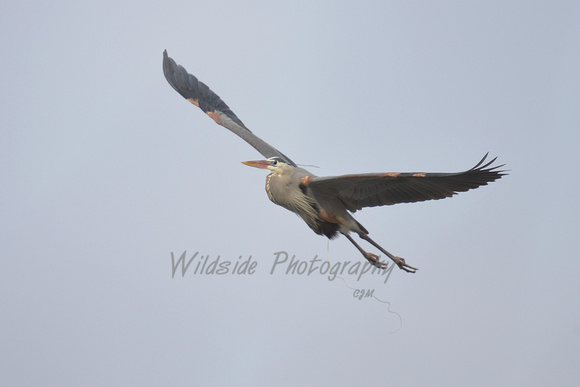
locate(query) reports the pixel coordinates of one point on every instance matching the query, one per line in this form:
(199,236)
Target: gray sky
(106,171)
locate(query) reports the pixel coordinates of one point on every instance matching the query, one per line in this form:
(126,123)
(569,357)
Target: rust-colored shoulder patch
(215,116)
(328,217)
(193,101)
(391,174)
(305,181)
(418,175)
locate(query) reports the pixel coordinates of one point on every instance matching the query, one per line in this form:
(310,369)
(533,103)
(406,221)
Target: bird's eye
(273,163)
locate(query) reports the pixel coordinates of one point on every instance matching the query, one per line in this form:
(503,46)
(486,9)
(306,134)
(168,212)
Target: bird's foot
(402,265)
(374,260)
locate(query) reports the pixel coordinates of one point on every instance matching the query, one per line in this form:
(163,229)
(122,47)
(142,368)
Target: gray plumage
(200,95)
(326,204)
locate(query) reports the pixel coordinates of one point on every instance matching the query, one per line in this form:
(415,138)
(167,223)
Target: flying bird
(326,204)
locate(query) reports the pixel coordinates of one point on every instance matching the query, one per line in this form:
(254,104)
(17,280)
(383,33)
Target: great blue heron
(326,203)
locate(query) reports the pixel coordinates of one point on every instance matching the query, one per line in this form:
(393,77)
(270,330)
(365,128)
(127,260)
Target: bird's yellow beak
(263,164)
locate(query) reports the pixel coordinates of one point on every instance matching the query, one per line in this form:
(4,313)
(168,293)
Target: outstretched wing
(379,189)
(199,94)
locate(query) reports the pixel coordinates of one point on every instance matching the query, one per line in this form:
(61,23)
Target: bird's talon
(374,260)
(402,265)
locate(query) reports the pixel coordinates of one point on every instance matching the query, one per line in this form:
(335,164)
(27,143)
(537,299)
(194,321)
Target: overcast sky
(107,173)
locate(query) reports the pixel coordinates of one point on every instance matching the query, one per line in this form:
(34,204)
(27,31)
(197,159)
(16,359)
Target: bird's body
(289,187)
(284,189)
(326,204)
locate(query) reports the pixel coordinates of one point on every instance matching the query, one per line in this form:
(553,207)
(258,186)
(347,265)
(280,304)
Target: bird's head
(272,164)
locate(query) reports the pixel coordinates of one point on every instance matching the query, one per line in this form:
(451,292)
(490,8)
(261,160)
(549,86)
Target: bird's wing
(199,94)
(379,189)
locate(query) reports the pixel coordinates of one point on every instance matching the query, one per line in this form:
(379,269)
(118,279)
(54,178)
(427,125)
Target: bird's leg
(373,259)
(398,260)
